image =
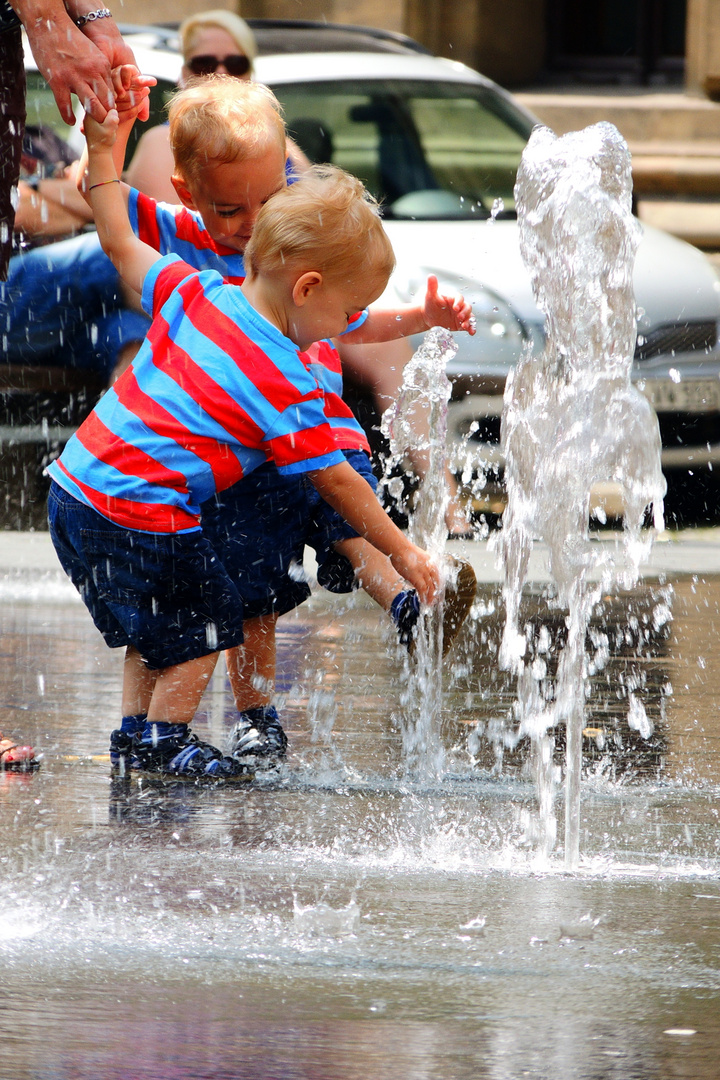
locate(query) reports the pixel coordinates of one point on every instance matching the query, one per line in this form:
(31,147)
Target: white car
(439,145)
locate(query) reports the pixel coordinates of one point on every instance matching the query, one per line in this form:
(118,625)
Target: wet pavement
(340,918)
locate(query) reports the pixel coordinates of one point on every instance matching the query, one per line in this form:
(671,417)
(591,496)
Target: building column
(702,55)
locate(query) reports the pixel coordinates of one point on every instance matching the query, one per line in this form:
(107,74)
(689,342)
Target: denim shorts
(259,528)
(327,527)
(167,594)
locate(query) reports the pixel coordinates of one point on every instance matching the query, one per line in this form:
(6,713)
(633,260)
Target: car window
(425,149)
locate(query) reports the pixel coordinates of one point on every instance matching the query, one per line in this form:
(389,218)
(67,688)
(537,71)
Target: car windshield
(425,149)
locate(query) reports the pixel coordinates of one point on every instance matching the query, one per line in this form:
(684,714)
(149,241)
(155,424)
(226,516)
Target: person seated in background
(63,304)
(49,205)
(216,42)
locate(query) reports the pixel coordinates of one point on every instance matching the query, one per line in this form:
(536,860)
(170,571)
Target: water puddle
(303,923)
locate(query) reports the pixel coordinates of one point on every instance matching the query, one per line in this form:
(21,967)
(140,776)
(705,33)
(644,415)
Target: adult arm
(353,498)
(74,60)
(52,209)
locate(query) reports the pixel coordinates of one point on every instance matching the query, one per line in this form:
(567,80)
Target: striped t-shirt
(169,228)
(215,391)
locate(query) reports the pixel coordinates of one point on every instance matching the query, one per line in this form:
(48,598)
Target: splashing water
(571,420)
(418,421)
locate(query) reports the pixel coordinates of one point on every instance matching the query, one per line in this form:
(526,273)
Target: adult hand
(74,61)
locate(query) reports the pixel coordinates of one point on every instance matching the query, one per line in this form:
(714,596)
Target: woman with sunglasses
(212,42)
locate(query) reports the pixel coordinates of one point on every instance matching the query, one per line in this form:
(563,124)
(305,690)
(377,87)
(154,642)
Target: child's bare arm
(451,312)
(131,257)
(353,498)
(131,93)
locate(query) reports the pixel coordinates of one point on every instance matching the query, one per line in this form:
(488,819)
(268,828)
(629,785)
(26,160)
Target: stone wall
(505,40)
(387,14)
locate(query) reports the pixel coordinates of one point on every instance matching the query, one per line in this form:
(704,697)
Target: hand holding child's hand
(416,566)
(132,92)
(101,136)
(451,312)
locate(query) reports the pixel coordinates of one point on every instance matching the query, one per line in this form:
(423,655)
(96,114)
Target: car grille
(688,429)
(676,338)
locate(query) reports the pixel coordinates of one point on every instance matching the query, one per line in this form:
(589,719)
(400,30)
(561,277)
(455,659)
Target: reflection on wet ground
(338,918)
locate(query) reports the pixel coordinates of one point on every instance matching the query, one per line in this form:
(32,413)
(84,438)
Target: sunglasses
(236,65)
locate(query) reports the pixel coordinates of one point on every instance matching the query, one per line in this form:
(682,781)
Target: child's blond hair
(325,221)
(221,119)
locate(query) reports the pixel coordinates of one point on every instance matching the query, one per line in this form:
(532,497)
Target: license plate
(689,395)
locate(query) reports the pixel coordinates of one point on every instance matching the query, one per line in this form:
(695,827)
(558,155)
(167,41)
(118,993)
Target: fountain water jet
(418,420)
(571,420)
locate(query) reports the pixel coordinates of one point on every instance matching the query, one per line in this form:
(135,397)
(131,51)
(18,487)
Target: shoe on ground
(258,737)
(14,758)
(122,756)
(174,750)
(121,743)
(460,589)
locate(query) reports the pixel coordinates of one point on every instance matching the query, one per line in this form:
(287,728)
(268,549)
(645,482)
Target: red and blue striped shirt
(214,392)
(170,228)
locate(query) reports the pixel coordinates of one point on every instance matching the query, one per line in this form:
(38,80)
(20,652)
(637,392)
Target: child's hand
(101,136)
(132,92)
(416,566)
(451,312)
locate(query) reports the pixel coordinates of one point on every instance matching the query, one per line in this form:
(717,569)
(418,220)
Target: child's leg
(178,690)
(251,666)
(166,744)
(258,529)
(167,667)
(373,571)
(158,705)
(258,734)
(138,684)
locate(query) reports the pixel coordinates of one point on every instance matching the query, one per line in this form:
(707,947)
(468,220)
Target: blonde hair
(325,221)
(221,119)
(228,21)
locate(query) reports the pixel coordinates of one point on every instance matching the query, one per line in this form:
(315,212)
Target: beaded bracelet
(102,183)
(101,13)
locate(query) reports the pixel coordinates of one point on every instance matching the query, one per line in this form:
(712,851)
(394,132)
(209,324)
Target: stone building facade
(519,42)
